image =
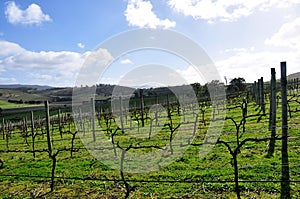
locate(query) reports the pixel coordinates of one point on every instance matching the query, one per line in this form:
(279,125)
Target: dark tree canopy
(236,85)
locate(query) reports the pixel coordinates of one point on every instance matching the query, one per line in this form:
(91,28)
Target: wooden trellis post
(93,119)
(32,133)
(121,114)
(255,92)
(285,175)
(262,96)
(258,92)
(142,107)
(272,124)
(59,123)
(3,129)
(48,127)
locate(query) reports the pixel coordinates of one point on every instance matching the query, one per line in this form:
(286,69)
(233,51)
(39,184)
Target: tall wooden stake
(121,114)
(48,127)
(285,175)
(262,96)
(142,107)
(3,129)
(32,133)
(272,127)
(259,92)
(93,119)
(59,124)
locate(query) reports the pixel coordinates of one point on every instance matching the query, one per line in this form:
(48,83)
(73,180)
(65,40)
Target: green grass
(215,166)
(5,104)
(15,94)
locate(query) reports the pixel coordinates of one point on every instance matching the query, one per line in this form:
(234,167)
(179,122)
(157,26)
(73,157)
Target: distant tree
(236,85)
(208,87)
(197,88)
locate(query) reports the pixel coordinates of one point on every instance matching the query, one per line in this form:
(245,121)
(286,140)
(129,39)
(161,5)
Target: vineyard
(166,146)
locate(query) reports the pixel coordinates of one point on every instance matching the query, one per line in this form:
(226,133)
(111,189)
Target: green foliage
(236,85)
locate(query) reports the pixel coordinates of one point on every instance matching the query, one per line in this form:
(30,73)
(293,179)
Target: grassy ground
(15,94)
(5,104)
(216,166)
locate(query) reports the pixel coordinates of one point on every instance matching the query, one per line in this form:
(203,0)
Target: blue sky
(46,42)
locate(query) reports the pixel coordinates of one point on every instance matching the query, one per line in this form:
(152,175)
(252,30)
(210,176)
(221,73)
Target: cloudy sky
(47,42)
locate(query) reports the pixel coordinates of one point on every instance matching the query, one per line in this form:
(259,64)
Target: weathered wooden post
(59,124)
(25,128)
(142,106)
(258,92)
(81,122)
(3,128)
(272,124)
(262,96)
(254,95)
(48,127)
(285,175)
(184,106)
(121,114)
(7,135)
(93,119)
(32,133)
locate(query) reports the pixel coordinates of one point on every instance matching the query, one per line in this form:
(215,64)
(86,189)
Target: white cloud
(26,60)
(94,67)
(98,58)
(252,65)
(287,36)
(139,13)
(236,50)
(9,48)
(53,67)
(33,14)
(80,45)
(108,80)
(42,77)
(61,68)
(191,75)
(225,10)
(126,61)
(4,80)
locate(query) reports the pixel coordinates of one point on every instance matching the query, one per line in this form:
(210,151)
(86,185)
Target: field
(28,163)
(6,105)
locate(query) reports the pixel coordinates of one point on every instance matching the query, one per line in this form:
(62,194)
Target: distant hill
(294,76)
(36,94)
(34,87)
(18,95)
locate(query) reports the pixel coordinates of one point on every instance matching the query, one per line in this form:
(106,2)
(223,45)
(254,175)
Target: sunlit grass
(215,166)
